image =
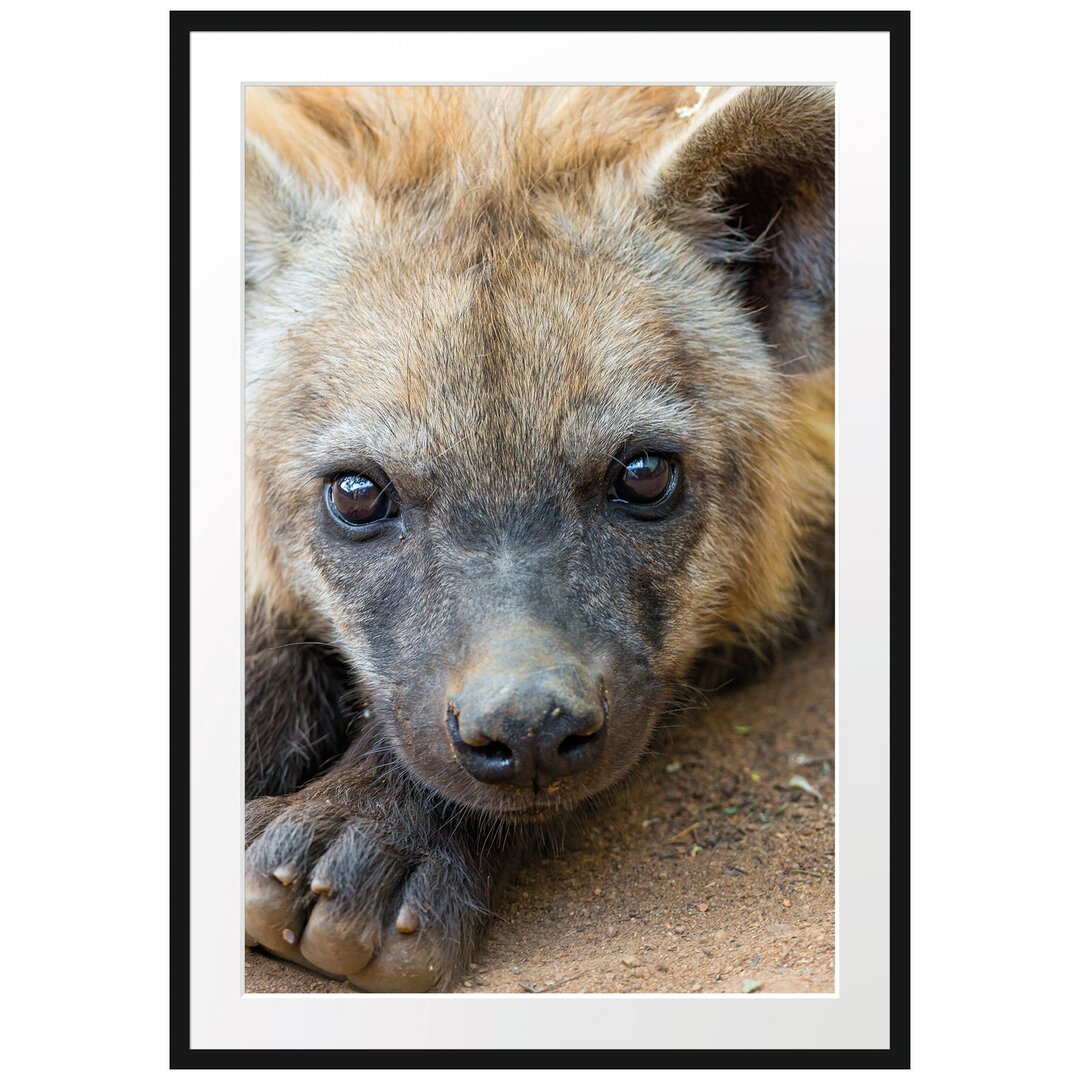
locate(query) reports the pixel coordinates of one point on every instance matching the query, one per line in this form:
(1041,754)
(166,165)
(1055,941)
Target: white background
(858,1016)
(85,455)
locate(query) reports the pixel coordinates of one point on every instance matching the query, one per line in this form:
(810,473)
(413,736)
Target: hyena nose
(525,735)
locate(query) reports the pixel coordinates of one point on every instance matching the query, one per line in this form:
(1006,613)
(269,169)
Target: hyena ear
(279,206)
(751,180)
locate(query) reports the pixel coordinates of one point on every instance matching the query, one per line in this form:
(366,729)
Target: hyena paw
(361,896)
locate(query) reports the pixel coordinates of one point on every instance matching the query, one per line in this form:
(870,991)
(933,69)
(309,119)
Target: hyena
(539,429)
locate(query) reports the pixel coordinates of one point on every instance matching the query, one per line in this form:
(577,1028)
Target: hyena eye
(358,500)
(646,479)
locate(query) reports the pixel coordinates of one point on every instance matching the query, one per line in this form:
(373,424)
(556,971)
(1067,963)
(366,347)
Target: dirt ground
(712,872)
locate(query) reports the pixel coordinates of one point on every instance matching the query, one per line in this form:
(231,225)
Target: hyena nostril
(575,742)
(578,751)
(487,759)
(495,751)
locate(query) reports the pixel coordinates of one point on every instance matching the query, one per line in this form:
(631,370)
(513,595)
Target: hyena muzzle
(539,426)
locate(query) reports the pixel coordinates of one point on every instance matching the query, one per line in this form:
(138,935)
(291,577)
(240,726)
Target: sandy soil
(710,873)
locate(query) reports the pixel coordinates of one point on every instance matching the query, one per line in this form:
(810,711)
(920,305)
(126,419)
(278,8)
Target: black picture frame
(894,23)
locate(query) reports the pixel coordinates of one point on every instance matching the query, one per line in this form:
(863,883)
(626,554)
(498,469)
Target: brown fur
(487,295)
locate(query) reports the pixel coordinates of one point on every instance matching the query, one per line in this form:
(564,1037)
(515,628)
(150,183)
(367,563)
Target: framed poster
(546,196)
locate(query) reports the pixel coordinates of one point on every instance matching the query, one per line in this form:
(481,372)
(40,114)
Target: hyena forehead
(457,371)
(516,346)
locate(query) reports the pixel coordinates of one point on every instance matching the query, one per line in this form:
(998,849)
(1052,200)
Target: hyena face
(519,445)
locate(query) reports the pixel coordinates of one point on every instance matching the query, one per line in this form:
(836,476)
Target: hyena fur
(540,425)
